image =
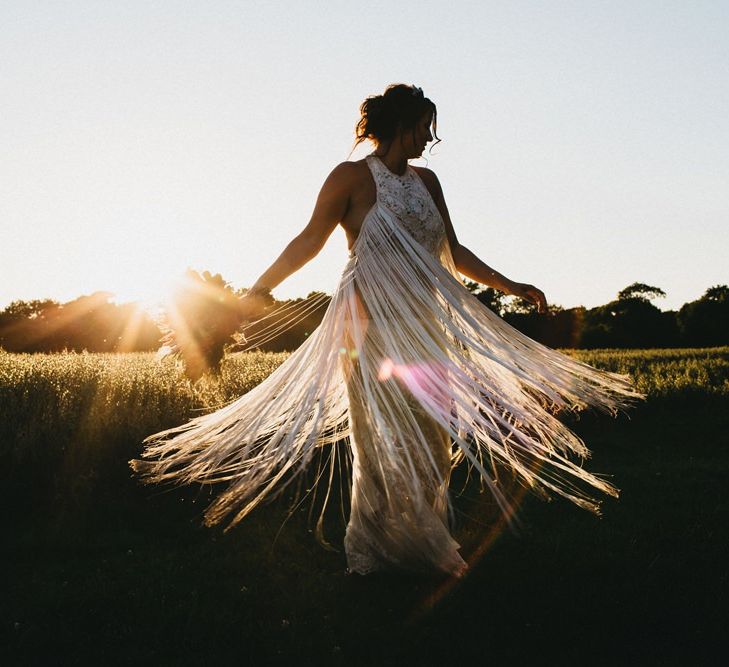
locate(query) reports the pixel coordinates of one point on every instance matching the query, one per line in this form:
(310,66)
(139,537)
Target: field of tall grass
(102,568)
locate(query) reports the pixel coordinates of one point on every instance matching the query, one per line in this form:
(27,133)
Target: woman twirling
(406,364)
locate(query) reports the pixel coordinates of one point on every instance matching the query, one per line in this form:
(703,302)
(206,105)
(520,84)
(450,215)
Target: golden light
(150,298)
(163,302)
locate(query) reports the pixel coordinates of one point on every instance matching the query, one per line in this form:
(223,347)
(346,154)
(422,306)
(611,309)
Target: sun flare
(151,298)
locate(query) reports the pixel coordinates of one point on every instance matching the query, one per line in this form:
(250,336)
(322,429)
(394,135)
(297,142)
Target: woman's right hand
(251,306)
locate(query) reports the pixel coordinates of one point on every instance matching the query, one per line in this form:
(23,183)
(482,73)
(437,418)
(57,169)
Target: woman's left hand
(532,295)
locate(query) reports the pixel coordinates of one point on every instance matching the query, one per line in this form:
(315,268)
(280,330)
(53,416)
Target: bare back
(362,197)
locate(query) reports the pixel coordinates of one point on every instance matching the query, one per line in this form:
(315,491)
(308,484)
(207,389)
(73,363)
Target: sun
(152,298)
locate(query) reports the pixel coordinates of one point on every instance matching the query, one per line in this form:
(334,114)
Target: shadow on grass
(122,573)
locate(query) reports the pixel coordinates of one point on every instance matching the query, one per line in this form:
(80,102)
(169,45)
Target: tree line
(630,320)
(206,310)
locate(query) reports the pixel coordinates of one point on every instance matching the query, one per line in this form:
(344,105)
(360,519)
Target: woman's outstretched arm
(469,264)
(331,205)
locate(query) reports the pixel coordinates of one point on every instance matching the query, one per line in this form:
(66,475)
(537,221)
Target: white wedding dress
(418,376)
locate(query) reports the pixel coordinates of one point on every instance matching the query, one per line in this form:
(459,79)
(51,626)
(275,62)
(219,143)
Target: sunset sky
(585,144)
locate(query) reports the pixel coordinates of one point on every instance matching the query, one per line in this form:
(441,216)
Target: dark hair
(400,105)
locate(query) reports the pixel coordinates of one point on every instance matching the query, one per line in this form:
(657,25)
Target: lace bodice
(409,200)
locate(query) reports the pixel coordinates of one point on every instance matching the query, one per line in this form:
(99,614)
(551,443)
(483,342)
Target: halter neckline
(379,159)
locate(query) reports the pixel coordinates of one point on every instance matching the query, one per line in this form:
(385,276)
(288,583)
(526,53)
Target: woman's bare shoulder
(348,170)
(349,174)
(428,175)
(430,179)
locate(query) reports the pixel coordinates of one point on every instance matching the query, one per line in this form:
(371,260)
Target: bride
(407,367)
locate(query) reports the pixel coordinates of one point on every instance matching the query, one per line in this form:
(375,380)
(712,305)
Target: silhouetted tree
(26,309)
(717,293)
(87,323)
(557,327)
(205,319)
(705,322)
(488,296)
(640,291)
(517,305)
(22,323)
(629,321)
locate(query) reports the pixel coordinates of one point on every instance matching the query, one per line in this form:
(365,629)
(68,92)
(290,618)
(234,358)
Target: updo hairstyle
(400,105)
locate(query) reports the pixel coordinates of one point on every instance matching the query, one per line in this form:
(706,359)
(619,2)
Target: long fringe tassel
(421,350)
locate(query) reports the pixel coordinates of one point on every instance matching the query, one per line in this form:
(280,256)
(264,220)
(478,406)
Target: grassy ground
(117,573)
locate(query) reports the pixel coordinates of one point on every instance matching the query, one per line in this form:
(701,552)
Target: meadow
(101,568)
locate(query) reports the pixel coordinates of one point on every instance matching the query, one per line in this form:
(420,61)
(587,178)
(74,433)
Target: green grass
(101,570)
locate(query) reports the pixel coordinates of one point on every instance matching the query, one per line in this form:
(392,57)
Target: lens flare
(427,381)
